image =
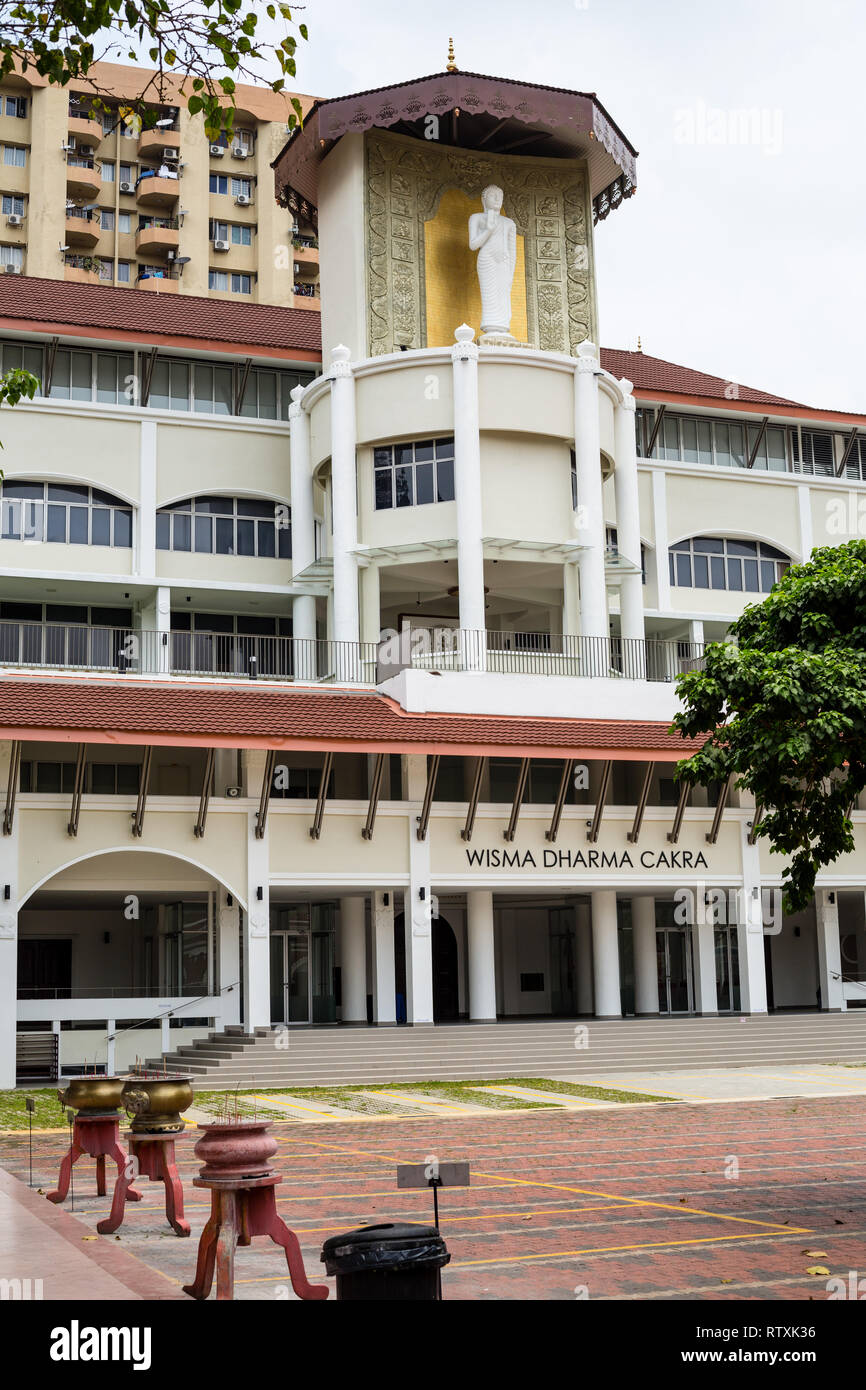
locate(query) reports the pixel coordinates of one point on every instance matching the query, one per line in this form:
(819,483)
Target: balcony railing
(72,648)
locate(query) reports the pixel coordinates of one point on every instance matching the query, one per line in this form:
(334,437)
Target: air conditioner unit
(13,270)
(14,219)
(171,255)
(233,791)
(217,151)
(126,186)
(171,154)
(240,152)
(243,200)
(220,245)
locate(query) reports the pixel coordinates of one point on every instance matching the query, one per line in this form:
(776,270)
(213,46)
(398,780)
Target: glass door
(290,977)
(673,960)
(727,970)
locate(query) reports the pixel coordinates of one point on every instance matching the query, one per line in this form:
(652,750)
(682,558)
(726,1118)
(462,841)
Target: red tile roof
(654,374)
(124,312)
(110,710)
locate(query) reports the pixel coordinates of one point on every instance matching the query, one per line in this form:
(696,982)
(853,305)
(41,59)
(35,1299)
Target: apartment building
(89,196)
(337,670)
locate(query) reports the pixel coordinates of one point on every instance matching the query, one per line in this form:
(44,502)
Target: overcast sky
(740,257)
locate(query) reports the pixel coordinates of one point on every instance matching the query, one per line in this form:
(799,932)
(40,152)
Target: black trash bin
(389,1263)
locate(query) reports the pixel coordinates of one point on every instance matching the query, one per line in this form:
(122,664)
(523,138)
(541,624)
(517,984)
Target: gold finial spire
(451,65)
(639,348)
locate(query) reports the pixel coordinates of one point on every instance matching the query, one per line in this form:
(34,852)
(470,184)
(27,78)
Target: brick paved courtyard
(661,1202)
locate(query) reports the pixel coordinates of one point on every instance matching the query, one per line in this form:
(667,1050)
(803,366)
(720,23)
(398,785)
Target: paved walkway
(733,1083)
(690,1201)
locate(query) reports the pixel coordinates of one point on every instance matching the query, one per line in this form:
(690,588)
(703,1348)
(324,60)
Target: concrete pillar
(303,537)
(704,956)
(605,954)
(229,957)
(417,898)
(646,974)
(583,929)
(829,950)
(155,633)
(353,959)
(750,931)
(587,453)
(8,937)
(628,525)
(257,953)
(384,1003)
(370,618)
(467,492)
(144,541)
(110,1047)
(344,500)
(482,960)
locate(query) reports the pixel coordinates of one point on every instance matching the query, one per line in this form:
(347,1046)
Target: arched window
(226,526)
(66,513)
(717,562)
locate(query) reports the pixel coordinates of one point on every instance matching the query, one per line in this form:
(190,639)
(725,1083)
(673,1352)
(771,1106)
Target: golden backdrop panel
(450,280)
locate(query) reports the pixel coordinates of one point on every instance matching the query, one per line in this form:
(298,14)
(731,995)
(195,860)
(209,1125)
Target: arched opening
(446,989)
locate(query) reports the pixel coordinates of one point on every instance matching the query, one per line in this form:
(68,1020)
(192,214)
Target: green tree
(200,48)
(782,709)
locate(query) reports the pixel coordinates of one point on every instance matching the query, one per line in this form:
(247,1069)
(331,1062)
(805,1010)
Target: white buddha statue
(494,237)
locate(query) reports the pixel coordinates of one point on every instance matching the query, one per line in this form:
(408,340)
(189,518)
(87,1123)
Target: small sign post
(30,1106)
(433,1174)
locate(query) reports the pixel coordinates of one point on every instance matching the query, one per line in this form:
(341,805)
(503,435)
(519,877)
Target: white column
(628,515)
(482,959)
(344,492)
(155,637)
(646,976)
(467,492)
(704,955)
(829,950)
(8,937)
(353,959)
(110,1047)
(303,536)
(370,617)
(605,954)
(587,453)
(144,553)
(384,1003)
(583,929)
(660,538)
(257,954)
(229,949)
(750,931)
(417,898)
(804,512)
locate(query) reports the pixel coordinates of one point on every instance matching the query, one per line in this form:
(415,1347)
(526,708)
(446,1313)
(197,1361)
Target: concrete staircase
(546,1047)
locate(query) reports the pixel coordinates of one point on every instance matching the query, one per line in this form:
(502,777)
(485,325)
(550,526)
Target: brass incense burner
(156,1104)
(92,1095)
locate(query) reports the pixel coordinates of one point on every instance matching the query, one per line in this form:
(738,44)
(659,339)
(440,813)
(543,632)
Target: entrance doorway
(727,970)
(302,964)
(446,990)
(674,970)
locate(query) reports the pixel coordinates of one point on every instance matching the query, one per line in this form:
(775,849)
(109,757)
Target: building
(88,196)
(342,695)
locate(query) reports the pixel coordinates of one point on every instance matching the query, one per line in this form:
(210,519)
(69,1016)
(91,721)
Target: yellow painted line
(648,1089)
(609,1249)
(299,1105)
(803,1075)
(437,1107)
(554,1098)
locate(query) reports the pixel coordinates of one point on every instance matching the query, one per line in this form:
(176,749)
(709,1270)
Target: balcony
(158,281)
(82,227)
(157,190)
(83,270)
(71,648)
(306,252)
(157,234)
(84,127)
(83,179)
(152,144)
(305,296)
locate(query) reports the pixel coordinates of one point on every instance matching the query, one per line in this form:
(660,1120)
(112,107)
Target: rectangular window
(241,188)
(12,255)
(126,173)
(124,223)
(219,183)
(242,236)
(169,388)
(106,269)
(123,273)
(407,475)
(13,205)
(219,231)
(217,280)
(106,219)
(241,284)
(16,106)
(107,170)
(16,155)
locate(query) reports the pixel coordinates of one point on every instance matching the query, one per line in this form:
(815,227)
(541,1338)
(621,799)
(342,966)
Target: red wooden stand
(241,1209)
(98,1136)
(153,1157)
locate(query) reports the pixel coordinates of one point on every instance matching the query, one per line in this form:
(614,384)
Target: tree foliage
(783,709)
(199,48)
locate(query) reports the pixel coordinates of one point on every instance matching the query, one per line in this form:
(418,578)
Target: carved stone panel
(548,200)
